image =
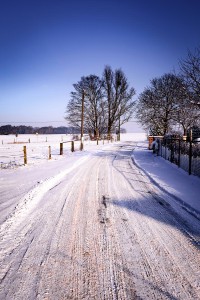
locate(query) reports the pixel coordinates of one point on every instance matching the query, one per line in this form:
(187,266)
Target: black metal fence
(185,154)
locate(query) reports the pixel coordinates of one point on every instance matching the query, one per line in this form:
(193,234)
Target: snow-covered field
(37,147)
(93,225)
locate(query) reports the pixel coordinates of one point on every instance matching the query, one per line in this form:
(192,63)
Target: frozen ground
(97,224)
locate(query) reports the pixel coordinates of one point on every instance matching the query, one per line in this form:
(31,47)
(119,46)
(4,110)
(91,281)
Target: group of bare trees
(102,104)
(172,101)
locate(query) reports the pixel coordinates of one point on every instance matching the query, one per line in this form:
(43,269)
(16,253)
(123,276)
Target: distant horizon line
(27,122)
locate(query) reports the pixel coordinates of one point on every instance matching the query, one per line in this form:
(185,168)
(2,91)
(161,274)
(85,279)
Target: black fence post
(171,148)
(190,154)
(160,148)
(179,152)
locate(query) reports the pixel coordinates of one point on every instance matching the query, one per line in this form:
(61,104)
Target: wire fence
(185,154)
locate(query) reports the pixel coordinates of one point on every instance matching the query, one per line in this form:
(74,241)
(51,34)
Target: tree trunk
(109,131)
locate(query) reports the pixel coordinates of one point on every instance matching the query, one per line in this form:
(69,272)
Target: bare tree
(147,112)
(94,116)
(107,102)
(186,114)
(165,104)
(118,98)
(190,70)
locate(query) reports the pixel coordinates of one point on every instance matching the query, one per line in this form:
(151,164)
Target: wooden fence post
(72,146)
(61,148)
(25,155)
(49,152)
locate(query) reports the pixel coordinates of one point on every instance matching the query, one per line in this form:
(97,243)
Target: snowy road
(98,229)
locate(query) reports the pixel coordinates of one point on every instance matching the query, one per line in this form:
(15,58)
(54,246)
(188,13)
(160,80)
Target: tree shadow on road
(161,211)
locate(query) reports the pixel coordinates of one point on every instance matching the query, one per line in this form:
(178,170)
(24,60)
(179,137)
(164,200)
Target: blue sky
(47,45)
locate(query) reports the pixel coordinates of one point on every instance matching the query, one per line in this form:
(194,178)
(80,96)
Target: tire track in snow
(31,199)
(79,247)
(167,257)
(16,230)
(37,256)
(90,247)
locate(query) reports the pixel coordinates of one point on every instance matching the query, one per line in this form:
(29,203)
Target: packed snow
(185,188)
(110,222)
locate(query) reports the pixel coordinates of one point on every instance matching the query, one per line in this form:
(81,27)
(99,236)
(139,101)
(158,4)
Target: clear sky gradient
(47,45)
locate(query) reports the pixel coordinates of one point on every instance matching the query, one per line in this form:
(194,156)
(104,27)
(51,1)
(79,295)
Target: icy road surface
(93,226)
